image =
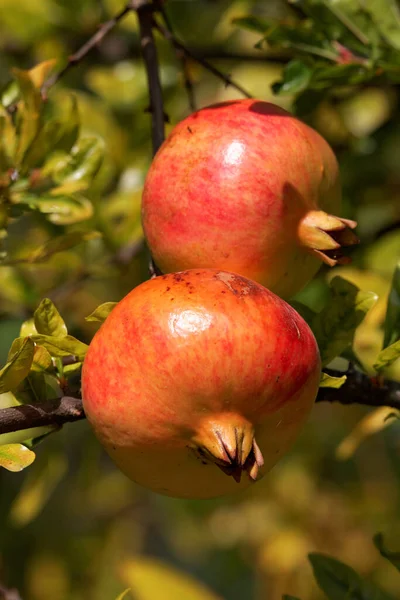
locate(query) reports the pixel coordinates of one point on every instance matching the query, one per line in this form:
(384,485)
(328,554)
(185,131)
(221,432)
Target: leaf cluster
(331,44)
(46,164)
(35,371)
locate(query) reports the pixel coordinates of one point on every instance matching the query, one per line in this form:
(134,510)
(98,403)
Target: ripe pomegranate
(243,186)
(199,381)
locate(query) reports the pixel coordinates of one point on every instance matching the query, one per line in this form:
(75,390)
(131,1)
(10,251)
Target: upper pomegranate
(246,187)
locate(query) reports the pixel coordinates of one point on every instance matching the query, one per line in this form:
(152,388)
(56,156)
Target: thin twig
(149,52)
(217,53)
(150,58)
(358,389)
(202,61)
(188,83)
(80,54)
(189,87)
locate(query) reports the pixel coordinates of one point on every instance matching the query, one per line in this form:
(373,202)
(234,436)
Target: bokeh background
(71,526)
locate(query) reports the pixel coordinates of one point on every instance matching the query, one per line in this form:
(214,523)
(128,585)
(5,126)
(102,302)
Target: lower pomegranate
(199,381)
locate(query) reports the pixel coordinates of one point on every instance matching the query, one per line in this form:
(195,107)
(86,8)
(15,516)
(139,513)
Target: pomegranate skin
(243,186)
(193,375)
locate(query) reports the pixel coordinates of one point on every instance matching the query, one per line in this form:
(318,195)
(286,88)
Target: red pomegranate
(199,381)
(244,186)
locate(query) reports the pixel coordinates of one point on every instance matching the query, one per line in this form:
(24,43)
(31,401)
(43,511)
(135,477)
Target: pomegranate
(199,381)
(243,186)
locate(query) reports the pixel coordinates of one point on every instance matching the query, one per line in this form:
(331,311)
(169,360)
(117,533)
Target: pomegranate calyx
(231,447)
(326,235)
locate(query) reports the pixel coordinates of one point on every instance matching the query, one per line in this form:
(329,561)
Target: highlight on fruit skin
(246,187)
(199,381)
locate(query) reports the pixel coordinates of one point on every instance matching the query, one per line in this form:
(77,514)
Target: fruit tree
(199,299)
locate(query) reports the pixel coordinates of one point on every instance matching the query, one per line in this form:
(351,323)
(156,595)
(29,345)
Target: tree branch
(80,54)
(52,412)
(145,10)
(149,52)
(202,61)
(150,58)
(358,389)
(361,389)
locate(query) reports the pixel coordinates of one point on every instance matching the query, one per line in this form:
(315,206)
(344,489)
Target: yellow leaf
(372,423)
(18,367)
(124,594)
(15,457)
(327,381)
(150,579)
(101,312)
(40,72)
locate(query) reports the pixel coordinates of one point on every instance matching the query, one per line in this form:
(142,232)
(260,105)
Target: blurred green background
(71,526)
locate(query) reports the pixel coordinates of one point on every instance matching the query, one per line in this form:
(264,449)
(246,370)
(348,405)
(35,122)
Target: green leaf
(15,371)
(301,37)
(15,457)
(335,325)
(340,582)
(392,319)
(386,16)
(81,165)
(9,93)
(56,135)
(124,594)
(328,76)
(48,320)
(62,346)
(286,597)
(252,23)
(7,146)
(29,112)
(339,20)
(41,357)
(327,381)
(8,399)
(72,369)
(296,78)
(61,210)
(30,107)
(147,577)
(387,357)
(393,557)
(34,388)
(332,28)
(38,387)
(101,312)
(27,328)
(55,245)
(307,313)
